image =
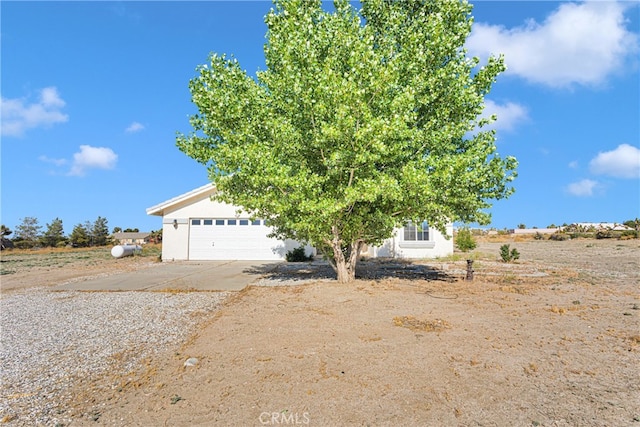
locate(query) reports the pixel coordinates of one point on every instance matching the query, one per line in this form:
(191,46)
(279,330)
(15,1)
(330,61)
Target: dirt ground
(552,339)
(50,267)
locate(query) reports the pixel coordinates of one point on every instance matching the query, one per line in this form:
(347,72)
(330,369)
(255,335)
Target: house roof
(193,194)
(130,235)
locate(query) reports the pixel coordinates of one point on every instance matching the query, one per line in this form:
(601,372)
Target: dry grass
(415,324)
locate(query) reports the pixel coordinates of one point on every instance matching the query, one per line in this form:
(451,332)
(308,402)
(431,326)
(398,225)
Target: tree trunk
(344,261)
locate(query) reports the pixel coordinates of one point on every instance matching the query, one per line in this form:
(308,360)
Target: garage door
(232,238)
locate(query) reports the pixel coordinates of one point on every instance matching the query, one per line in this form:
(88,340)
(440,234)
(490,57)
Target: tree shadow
(369,269)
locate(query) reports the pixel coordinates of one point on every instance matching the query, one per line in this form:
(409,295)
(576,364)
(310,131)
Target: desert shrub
(24,244)
(507,254)
(6,244)
(297,255)
(604,234)
(584,235)
(465,241)
(628,234)
(558,237)
(538,236)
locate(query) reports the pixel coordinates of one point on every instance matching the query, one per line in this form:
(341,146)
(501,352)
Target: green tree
(5,231)
(54,233)
(464,240)
(117,229)
(28,232)
(633,223)
(100,232)
(79,236)
(362,121)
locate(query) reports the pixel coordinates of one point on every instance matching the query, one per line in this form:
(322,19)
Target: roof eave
(159,209)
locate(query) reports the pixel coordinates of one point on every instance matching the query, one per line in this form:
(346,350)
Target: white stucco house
(196,228)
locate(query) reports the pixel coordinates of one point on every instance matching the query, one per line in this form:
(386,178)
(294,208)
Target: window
(244,222)
(195,222)
(219,221)
(416,233)
(208,222)
(255,222)
(232,221)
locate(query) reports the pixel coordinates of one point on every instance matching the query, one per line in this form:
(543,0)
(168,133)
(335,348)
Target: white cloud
(579,43)
(582,188)
(92,158)
(57,162)
(508,115)
(573,164)
(134,127)
(18,115)
(623,162)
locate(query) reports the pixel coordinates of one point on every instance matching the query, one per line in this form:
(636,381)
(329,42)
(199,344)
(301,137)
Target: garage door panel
(242,242)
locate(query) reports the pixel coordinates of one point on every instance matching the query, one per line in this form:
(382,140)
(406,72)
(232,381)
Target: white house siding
(437,246)
(184,240)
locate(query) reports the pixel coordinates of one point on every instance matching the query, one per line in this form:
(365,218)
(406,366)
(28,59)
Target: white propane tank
(121,251)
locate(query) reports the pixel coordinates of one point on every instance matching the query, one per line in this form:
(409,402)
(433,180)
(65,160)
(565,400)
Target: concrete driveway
(183,275)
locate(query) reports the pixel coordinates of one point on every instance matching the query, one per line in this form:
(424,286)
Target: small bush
(465,241)
(298,255)
(24,244)
(558,236)
(507,254)
(604,234)
(580,235)
(538,236)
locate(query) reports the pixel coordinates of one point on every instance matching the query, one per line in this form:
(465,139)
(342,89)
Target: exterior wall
(132,241)
(176,227)
(131,237)
(175,240)
(395,247)
(176,231)
(535,230)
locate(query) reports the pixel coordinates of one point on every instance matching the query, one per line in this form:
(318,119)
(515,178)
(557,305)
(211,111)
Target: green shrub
(507,254)
(24,244)
(538,236)
(628,234)
(558,236)
(298,255)
(583,235)
(604,234)
(465,241)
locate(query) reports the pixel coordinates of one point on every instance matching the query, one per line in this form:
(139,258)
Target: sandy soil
(26,269)
(551,340)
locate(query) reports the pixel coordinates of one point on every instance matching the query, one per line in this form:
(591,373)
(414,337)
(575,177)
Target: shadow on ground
(366,270)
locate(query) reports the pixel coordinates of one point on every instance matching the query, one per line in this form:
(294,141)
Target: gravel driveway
(49,339)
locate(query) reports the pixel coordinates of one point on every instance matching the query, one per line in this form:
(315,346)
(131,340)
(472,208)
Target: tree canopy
(54,233)
(28,231)
(362,121)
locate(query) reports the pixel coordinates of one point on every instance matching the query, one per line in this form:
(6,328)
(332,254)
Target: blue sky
(93,94)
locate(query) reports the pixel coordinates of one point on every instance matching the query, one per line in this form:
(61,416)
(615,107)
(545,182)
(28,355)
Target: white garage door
(224,238)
